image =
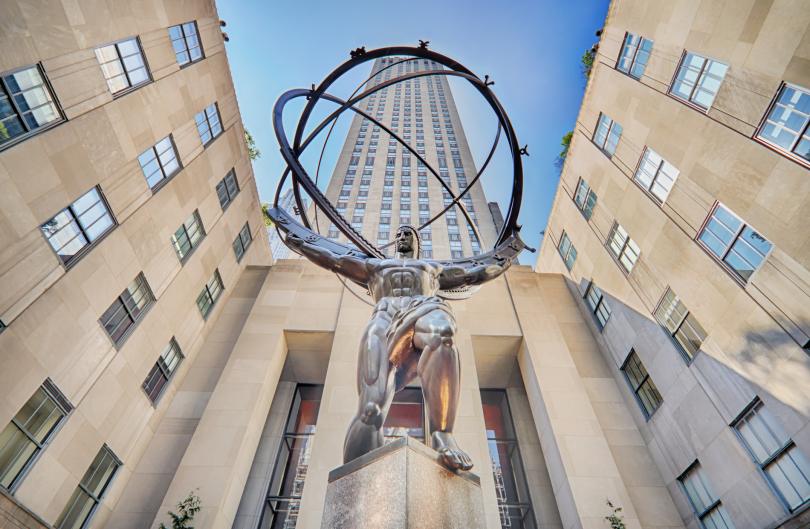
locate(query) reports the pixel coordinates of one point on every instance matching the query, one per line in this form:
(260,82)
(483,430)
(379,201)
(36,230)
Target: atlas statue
(413,329)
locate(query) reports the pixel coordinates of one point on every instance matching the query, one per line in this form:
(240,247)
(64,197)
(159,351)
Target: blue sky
(530,49)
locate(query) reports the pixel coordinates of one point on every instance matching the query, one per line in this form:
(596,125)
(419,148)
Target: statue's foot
(444,443)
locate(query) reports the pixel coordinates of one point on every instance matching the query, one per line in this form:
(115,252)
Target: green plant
(559,162)
(188,508)
(267,221)
(253,152)
(615,521)
(586,64)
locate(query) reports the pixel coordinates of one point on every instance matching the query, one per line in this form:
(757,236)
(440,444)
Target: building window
(598,304)
(567,251)
(26,105)
(82,505)
(623,248)
(287,484)
(210,293)
(159,163)
(186,42)
(127,310)
(681,324)
(698,80)
(76,228)
(787,126)
(227,189)
(123,65)
(646,393)
(635,54)
(705,503)
(162,371)
(656,175)
(511,485)
(585,198)
(776,454)
(607,134)
(734,243)
(188,236)
(457,255)
(405,416)
(243,240)
(29,431)
(427,254)
(208,124)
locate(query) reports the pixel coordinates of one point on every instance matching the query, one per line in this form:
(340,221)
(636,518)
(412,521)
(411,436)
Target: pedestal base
(403,484)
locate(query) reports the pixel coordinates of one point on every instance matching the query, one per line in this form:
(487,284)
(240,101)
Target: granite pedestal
(403,484)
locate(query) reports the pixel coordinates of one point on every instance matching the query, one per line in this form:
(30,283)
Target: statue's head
(408,241)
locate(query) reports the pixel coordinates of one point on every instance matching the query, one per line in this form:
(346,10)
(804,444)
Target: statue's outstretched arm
(456,276)
(346,265)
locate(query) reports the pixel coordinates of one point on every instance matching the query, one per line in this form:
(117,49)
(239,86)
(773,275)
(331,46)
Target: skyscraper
(287,203)
(379,185)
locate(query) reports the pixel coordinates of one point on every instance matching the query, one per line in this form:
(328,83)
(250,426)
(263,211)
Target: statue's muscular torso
(401,279)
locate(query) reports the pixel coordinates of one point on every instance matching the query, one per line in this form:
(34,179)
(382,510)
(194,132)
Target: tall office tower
(379,185)
(287,203)
(682,220)
(128,215)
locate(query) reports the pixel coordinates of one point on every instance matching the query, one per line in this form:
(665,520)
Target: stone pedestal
(403,484)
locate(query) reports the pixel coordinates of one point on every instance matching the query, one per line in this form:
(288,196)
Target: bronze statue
(412,333)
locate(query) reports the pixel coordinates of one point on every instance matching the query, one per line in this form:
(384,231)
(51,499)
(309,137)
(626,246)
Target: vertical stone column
(557,346)
(219,456)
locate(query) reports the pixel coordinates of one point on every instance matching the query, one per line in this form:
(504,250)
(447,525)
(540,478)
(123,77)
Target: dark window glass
(242,242)
(163,370)
(511,487)
(227,189)
(26,104)
(598,304)
(681,324)
(127,310)
(78,226)
(646,393)
(704,500)
(405,416)
(159,162)
(29,431)
(186,43)
(210,293)
(188,235)
(88,494)
(123,65)
(292,462)
(208,124)
(567,251)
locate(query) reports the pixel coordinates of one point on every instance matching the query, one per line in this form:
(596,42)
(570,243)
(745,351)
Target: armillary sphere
(508,245)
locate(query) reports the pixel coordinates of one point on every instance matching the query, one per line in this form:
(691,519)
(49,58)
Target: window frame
(601,303)
(98,500)
(721,260)
(210,297)
(242,242)
(54,100)
(208,123)
(607,135)
(192,246)
(61,403)
(645,378)
(202,50)
(801,160)
(672,334)
(658,171)
(130,88)
(224,183)
(707,487)
(625,244)
(160,367)
(585,201)
(635,55)
(78,256)
(166,177)
(688,101)
(776,455)
(135,319)
(567,253)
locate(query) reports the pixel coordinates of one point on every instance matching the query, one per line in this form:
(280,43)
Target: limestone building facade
(682,221)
